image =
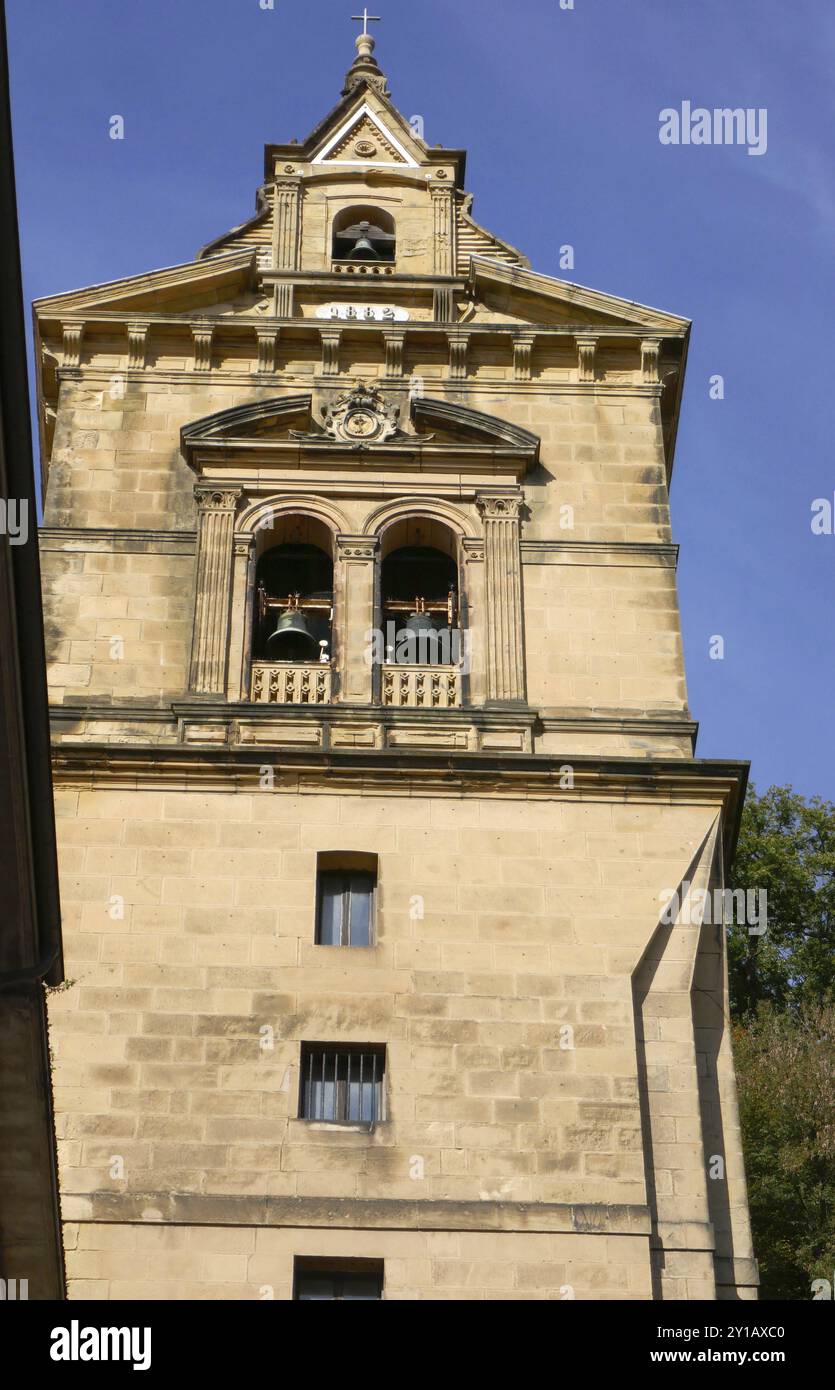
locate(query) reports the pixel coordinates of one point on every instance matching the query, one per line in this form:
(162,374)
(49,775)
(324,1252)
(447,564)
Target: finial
(365,66)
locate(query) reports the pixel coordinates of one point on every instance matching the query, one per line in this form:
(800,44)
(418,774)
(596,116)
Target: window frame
(348,867)
(340,1271)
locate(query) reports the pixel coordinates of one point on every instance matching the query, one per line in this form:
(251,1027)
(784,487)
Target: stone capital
(214,499)
(357,547)
(499,508)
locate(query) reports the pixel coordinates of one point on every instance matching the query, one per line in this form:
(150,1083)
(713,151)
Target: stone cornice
(109,539)
(369,278)
(351,1213)
(404,454)
(605,552)
(257,322)
(444,772)
(616,722)
(485,384)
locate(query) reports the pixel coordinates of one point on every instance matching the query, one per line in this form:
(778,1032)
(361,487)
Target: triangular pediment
(518,295)
(367,137)
(175,290)
(364,113)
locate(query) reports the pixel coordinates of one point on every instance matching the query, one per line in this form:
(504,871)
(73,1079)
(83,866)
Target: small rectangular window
(345,910)
(343,1084)
(337,1280)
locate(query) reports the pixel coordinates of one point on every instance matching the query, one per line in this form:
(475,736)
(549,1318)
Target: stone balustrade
(283,683)
(422,687)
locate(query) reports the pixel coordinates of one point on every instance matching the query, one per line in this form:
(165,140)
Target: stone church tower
(374,765)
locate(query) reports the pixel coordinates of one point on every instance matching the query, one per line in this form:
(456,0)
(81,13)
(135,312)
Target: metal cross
(366,19)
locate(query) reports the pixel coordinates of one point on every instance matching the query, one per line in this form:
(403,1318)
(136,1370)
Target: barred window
(343,1084)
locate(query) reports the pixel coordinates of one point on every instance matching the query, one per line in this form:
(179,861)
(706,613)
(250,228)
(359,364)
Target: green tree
(787,848)
(782,986)
(785,1064)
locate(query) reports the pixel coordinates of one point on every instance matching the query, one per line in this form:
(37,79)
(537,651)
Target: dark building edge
(30,925)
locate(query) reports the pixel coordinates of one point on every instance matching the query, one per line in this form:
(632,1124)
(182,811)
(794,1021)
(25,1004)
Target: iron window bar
(343,1085)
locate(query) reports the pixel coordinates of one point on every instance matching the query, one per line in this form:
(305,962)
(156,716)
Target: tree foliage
(786,1076)
(783,1001)
(786,848)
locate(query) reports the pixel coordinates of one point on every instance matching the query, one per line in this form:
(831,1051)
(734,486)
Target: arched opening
(420,594)
(293,618)
(364,234)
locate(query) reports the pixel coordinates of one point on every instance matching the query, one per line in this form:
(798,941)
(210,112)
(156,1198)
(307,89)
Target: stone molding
(209,1209)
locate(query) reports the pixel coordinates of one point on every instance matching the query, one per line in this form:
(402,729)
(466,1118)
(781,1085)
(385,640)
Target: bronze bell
(364,250)
(292,639)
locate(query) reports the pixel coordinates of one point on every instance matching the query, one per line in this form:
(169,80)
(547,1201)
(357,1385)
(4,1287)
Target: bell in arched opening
(420,606)
(364,234)
(293,639)
(418,641)
(293,616)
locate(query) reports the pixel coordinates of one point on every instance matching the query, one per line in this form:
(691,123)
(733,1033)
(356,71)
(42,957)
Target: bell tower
(374,767)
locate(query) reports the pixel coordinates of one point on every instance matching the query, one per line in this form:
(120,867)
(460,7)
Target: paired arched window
(364,233)
(419,594)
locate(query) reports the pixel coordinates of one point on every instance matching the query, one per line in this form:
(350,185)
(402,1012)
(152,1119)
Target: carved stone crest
(361,416)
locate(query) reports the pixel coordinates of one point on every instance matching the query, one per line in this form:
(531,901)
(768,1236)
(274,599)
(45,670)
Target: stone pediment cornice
(488,430)
(149,292)
(360,421)
(609,310)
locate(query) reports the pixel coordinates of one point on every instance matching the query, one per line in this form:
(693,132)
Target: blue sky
(559,110)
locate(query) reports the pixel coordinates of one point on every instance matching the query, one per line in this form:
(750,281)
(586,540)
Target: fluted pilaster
(287,223)
(503,584)
(444,229)
(213,592)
